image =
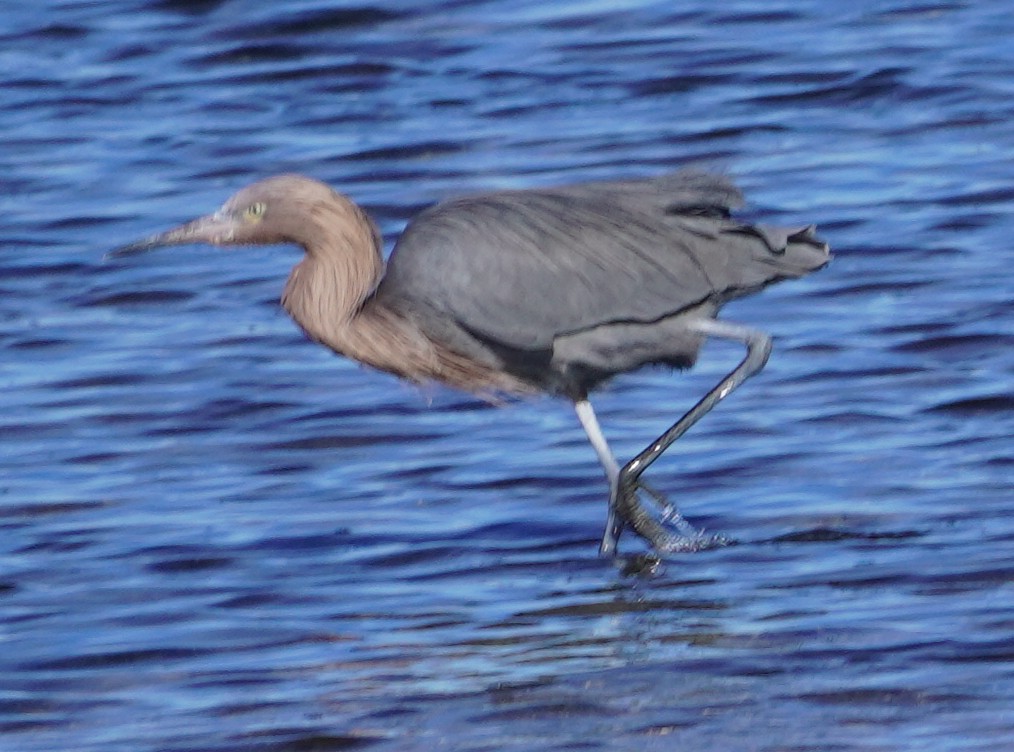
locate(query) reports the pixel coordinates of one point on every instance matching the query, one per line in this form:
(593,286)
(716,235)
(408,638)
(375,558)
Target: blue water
(217,536)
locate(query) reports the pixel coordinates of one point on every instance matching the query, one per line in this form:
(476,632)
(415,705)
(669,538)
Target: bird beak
(214,229)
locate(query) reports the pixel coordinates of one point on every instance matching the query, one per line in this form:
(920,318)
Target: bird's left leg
(628,507)
(614,525)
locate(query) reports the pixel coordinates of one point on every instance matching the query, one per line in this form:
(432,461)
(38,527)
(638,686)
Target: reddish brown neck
(330,295)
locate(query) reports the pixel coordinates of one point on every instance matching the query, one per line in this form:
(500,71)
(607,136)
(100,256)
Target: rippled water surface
(217,536)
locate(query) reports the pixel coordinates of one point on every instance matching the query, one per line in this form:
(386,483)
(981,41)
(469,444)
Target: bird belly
(585,358)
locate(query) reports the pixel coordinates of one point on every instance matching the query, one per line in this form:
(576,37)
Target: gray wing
(524,267)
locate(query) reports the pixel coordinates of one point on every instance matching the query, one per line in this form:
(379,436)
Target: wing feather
(523,267)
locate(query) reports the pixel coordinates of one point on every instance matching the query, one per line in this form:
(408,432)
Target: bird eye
(254,211)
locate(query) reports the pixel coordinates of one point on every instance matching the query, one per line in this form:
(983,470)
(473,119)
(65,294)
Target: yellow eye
(254,211)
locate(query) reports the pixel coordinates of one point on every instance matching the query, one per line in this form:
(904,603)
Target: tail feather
(794,250)
(804,252)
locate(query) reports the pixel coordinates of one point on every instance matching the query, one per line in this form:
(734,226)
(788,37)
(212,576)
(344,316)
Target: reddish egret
(548,290)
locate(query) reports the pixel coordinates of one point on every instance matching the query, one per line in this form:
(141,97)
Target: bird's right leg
(758,348)
(585,414)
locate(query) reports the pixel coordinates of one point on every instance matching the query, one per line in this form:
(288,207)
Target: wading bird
(517,292)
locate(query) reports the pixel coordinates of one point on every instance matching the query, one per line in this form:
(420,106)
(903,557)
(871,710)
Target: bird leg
(585,414)
(614,526)
(624,502)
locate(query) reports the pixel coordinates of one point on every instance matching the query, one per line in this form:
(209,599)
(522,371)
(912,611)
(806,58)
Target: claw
(668,533)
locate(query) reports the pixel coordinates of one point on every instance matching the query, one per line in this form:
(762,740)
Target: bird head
(274,210)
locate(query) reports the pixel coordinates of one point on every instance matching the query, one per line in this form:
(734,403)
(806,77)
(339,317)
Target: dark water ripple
(214,536)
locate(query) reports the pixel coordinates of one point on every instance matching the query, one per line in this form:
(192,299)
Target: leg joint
(758,343)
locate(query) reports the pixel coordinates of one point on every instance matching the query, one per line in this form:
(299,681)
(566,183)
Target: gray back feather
(521,268)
